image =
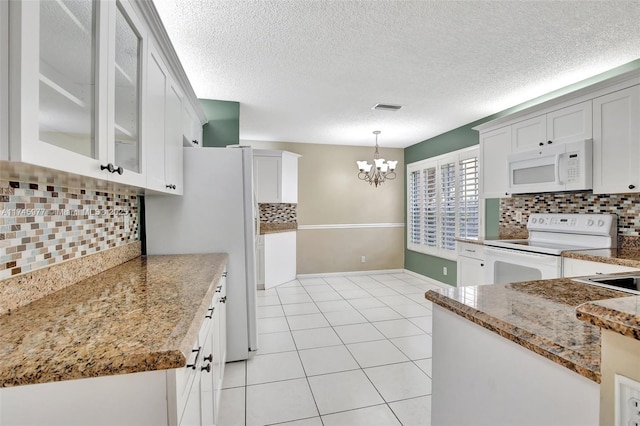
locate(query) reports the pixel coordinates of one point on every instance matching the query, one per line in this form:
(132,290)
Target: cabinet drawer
(475,251)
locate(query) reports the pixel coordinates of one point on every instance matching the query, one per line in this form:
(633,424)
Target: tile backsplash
(625,206)
(278,213)
(43,224)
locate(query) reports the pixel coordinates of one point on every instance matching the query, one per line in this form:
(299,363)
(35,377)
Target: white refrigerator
(216,214)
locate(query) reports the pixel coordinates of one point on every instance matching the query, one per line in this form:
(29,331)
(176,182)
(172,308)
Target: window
(442,202)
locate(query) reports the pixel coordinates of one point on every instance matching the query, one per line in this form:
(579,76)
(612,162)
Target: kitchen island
(116,332)
(516,354)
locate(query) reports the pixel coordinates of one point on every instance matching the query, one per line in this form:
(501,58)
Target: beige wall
(620,355)
(330,193)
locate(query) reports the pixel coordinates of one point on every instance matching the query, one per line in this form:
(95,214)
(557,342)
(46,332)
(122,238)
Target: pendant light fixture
(379,171)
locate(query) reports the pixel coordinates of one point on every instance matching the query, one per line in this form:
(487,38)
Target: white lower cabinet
(470,264)
(187,396)
(277,263)
(580,268)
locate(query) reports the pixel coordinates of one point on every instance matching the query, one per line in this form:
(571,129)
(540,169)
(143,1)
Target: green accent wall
(465,136)
(223,127)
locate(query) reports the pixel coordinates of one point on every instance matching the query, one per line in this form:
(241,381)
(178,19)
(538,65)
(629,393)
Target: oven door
(505,266)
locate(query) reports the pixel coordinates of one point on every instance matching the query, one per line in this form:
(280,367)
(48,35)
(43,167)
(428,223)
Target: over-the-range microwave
(561,167)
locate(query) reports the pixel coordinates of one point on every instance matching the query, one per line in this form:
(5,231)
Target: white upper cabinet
(191,127)
(568,124)
(275,176)
(76,68)
(616,142)
(164,131)
(495,145)
(124,141)
(79,72)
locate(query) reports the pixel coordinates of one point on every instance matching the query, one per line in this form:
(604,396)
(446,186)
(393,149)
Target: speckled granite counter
(538,315)
(620,256)
(139,316)
(273,228)
(620,315)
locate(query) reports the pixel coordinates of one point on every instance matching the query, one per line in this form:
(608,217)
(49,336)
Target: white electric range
(538,257)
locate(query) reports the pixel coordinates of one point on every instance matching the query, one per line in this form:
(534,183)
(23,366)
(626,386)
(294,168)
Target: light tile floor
(339,350)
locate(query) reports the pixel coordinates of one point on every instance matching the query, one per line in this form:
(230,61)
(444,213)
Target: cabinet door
(289,178)
(470,271)
(125,106)
(570,124)
(529,134)
(267,179)
(56,49)
(616,142)
(156,83)
(495,146)
(579,267)
(173,140)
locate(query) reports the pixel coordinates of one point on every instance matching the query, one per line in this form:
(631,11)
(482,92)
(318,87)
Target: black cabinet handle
(549,142)
(206,368)
(632,186)
(110,167)
(195,141)
(208,358)
(195,361)
(210,313)
(541,143)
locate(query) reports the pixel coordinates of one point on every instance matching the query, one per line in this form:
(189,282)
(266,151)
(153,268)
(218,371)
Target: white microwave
(562,167)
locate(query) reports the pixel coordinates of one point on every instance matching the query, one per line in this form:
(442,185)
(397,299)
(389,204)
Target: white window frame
(452,157)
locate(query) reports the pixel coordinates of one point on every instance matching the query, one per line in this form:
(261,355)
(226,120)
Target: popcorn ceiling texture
(42,225)
(625,206)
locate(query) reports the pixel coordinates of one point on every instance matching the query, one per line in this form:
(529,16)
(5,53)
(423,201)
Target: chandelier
(382,170)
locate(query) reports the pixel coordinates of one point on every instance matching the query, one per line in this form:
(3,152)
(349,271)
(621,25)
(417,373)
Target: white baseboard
(374,272)
(427,279)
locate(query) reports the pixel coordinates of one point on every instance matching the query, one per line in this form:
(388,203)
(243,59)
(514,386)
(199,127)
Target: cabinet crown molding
(545,105)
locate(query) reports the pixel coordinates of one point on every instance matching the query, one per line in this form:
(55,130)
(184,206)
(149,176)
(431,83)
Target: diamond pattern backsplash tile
(278,213)
(625,206)
(41,224)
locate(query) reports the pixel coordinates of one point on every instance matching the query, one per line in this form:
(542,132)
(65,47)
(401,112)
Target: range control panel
(579,223)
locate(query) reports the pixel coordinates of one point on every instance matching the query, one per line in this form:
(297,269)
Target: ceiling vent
(387,107)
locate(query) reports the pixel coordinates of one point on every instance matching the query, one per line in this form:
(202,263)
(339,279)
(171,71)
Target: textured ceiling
(310,71)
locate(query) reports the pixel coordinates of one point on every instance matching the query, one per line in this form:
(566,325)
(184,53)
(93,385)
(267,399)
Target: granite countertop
(274,228)
(538,315)
(616,256)
(621,315)
(142,315)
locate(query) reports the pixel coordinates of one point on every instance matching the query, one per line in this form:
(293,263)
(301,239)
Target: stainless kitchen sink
(624,282)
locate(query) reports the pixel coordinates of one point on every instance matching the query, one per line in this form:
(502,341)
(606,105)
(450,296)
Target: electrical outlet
(518,216)
(444,270)
(363,259)
(627,397)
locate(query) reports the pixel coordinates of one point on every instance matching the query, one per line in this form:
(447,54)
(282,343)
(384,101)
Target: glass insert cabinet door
(67,75)
(126,105)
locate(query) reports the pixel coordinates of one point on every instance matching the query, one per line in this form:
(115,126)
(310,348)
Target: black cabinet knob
(110,168)
(632,186)
(482,264)
(170,186)
(506,193)
(541,143)
(206,368)
(549,142)
(195,142)
(119,170)
(209,358)
(223,299)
